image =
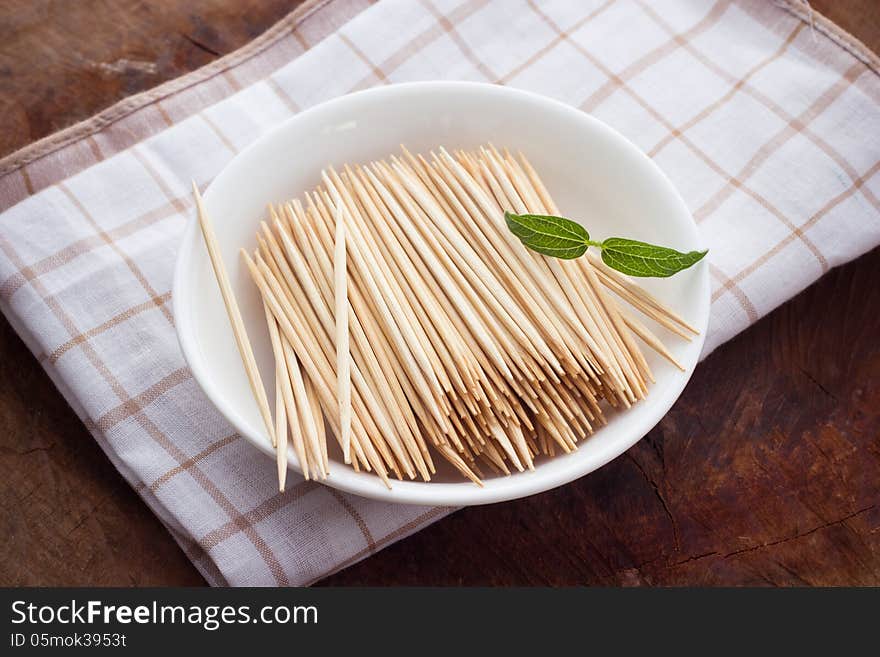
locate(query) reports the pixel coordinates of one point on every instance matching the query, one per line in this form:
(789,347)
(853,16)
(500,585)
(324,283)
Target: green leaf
(559,237)
(552,236)
(642,259)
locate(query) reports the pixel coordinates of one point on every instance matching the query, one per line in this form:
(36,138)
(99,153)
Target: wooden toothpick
(238,330)
(343,355)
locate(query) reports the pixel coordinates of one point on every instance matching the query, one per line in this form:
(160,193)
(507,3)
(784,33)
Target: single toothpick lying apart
(404,313)
(238,330)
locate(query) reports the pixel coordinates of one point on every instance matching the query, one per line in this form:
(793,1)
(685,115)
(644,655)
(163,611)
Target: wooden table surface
(766,471)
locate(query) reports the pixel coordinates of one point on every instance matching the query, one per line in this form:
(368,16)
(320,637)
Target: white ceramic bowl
(594,174)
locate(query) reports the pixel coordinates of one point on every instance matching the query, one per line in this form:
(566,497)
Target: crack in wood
(776,542)
(662,500)
(201,46)
(818,384)
(695,557)
(91,512)
(26,452)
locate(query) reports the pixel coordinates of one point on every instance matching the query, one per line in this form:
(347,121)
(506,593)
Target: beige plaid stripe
(217,131)
(858,185)
(95,147)
(116,320)
(371,530)
(377,71)
(133,405)
(743,85)
(655,55)
(259,513)
(448,27)
(167,119)
(28,183)
(703,114)
(419,42)
(738,294)
(178,204)
(561,35)
(113,244)
(618,82)
(28,273)
(356,516)
(168,475)
(229,76)
(402,531)
(283,96)
(300,39)
(794,127)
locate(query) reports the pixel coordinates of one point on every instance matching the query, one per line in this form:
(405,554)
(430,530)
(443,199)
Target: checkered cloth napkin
(764,115)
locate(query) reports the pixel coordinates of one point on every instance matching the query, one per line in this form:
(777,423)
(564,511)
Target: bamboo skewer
(651,340)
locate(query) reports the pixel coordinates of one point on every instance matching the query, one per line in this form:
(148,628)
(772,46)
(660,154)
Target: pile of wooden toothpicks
(408,321)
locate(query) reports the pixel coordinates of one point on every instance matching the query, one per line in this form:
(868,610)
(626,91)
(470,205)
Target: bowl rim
(463,493)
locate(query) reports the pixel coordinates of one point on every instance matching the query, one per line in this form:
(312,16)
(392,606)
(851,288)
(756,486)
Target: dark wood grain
(61,62)
(767,471)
